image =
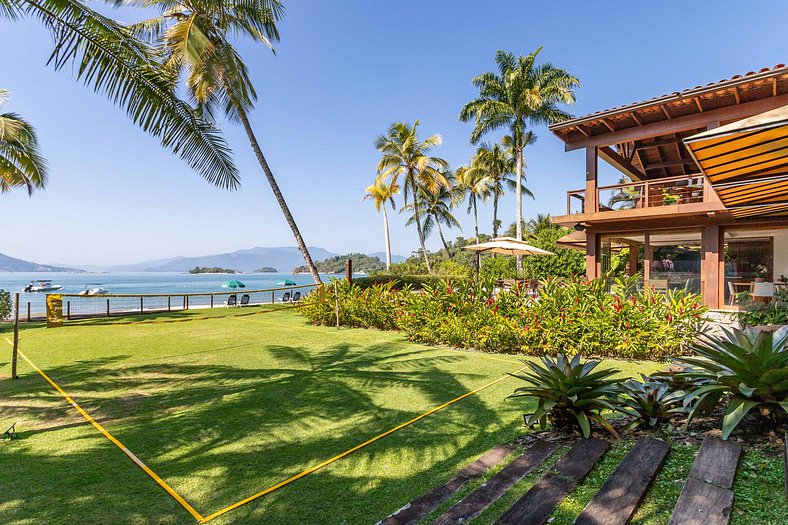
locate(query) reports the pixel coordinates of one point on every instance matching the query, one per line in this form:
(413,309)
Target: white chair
(763,290)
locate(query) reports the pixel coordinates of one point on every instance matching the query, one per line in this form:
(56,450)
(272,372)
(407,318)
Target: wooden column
(349,270)
(713,266)
(648,258)
(633,259)
(593,263)
(591,205)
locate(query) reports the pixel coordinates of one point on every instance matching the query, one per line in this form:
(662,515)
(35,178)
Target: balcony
(659,197)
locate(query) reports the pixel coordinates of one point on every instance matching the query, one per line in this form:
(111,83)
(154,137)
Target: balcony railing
(635,195)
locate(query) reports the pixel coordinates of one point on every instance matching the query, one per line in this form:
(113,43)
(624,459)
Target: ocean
(139,283)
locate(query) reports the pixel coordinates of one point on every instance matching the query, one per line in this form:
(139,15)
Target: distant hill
(336,264)
(382,256)
(240,260)
(11,264)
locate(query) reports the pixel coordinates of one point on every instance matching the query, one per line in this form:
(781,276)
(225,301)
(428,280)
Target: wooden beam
(636,119)
(620,163)
(665,111)
(678,124)
(608,125)
(670,164)
(774,87)
(697,103)
(659,142)
(736,94)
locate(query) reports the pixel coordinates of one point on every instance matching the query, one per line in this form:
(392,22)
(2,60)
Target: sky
(342,73)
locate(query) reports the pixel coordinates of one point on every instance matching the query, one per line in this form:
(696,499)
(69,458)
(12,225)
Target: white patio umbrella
(506,246)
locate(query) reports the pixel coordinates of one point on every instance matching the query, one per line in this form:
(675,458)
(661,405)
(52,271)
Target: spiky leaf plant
(651,401)
(570,393)
(748,367)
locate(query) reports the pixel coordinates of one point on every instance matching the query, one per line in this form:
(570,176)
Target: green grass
(228,405)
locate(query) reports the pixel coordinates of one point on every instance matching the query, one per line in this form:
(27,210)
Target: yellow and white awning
(747,163)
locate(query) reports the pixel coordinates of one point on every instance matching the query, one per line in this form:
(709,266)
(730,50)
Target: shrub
(774,312)
(5,304)
(652,401)
(564,263)
(416,282)
(373,307)
(748,367)
(569,394)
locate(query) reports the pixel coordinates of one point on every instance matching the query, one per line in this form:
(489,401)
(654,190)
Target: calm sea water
(138,283)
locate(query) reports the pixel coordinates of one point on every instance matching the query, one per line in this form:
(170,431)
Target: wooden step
(474,503)
(616,501)
(417,509)
(707,498)
(536,506)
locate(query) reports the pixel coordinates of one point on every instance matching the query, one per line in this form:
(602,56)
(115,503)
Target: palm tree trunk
(421,232)
(386,233)
(443,240)
(495,215)
(519,198)
(475,217)
(278,194)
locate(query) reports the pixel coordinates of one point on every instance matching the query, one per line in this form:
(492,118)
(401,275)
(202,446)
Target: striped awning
(747,163)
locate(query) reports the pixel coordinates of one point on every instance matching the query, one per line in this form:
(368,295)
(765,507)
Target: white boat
(42,285)
(94,289)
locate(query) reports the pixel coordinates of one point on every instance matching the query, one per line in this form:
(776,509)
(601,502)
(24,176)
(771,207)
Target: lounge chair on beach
(296,296)
(244,300)
(286,297)
(232,300)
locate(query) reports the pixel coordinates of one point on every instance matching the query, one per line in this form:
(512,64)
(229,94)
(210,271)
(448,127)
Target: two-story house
(704,200)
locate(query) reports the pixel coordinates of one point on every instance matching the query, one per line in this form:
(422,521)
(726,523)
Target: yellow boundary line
(115,441)
(270,489)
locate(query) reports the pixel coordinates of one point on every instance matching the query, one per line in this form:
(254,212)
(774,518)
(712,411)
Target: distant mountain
(382,257)
(249,260)
(11,264)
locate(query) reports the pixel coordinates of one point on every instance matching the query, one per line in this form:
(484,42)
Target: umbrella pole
(478,257)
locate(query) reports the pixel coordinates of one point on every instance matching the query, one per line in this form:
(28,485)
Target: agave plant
(570,393)
(748,367)
(651,401)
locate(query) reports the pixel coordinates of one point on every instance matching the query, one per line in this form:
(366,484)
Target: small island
(206,269)
(266,269)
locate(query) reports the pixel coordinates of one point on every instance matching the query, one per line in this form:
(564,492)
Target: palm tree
(382,193)
(477,185)
(538,224)
(21,164)
(109,59)
(521,94)
(196,38)
(404,155)
(435,208)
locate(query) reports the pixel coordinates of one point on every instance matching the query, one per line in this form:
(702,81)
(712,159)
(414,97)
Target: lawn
(228,405)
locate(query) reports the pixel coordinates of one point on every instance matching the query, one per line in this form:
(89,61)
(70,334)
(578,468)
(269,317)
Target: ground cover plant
(571,316)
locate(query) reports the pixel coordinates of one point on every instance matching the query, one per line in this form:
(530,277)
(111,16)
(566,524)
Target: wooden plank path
(417,509)
(536,506)
(477,501)
(707,498)
(616,501)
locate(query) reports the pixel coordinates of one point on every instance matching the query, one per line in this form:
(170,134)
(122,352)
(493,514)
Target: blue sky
(343,72)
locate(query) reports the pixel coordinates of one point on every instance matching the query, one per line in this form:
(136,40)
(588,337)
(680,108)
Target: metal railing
(639,195)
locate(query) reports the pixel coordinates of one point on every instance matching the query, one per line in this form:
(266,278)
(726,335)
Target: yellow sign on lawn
(54,310)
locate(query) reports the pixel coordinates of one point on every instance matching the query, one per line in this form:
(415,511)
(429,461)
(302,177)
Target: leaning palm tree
(477,185)
(404,155)
(196,40)
(21,164)
(435,209)
(381,194)
(110,60)
(521,94)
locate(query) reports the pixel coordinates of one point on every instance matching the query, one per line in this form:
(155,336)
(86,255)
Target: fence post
(142,308)
(187,302)
(184,302)
(211,300)
(107,307)
(68,310)
(28,311)
(336,298)
(272,296)
(349,270)
(169,303)
(16,336)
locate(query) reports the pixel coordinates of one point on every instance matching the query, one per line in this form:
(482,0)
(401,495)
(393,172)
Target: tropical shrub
(570,394)
(771,313)
(5,304)
(747,369)
(416,282)
(374,307)
(651,402)
(565,262)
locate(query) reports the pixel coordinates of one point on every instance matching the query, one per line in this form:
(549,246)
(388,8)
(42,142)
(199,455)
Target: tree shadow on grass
(220,433)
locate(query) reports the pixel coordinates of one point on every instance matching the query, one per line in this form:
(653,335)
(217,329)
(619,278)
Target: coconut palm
(196,39)
(381,193)
(21,164)
(435,209)
(477,185)
(109,59)
(405,156)
(521,94)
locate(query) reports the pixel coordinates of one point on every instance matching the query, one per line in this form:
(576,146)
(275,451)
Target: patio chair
(658,285)
(232,300)
(763,292)
(244,300)
(286,297)
(731,293)
(296,296)
(10,433)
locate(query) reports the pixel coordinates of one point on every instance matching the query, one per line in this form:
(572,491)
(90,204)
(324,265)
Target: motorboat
(94,289)
(42,285)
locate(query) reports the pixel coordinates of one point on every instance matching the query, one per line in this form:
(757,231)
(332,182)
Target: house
(703,199)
